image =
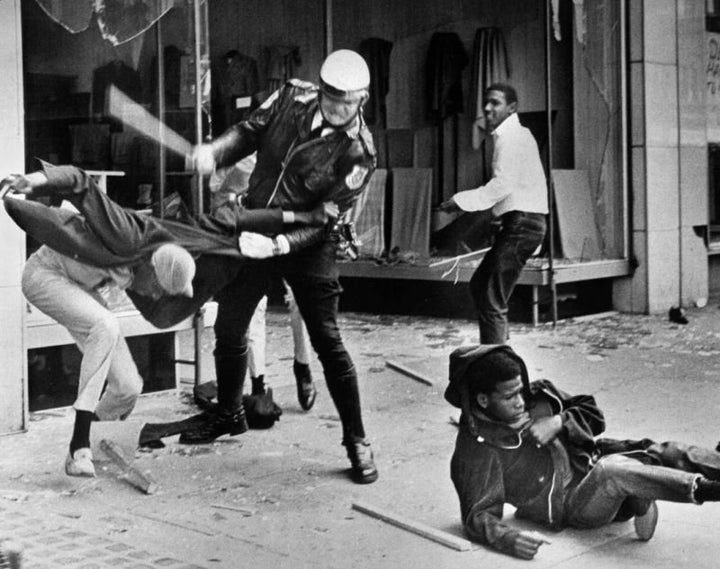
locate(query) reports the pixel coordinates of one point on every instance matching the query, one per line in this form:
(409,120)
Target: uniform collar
(352,131)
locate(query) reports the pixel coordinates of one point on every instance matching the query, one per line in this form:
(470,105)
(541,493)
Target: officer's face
(339,111)
(496,109)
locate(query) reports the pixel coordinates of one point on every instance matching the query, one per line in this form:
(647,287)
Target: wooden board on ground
(409,372)
(418,528)
(138,479)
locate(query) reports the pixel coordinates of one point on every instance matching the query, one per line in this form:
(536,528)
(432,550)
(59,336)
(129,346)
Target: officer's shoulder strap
(306,91)
(366,137)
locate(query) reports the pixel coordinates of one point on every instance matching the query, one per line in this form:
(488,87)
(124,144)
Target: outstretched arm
(478,478)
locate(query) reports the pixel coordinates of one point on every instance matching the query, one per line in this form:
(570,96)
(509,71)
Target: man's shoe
(79,463)
(646,523)
(362,464)
(217,424)
(306,391)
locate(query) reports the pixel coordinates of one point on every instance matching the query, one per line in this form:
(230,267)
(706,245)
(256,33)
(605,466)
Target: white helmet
(344,73)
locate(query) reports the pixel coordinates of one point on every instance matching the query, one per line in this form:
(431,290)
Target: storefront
(617,94)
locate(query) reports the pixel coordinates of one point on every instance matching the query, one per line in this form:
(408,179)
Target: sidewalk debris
(140,480)
(409,372)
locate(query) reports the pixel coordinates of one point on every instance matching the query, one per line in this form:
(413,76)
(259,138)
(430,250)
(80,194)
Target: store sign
(713,87)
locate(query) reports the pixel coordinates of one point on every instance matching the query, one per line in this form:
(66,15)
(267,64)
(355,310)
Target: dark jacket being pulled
(494,464)
(104,234)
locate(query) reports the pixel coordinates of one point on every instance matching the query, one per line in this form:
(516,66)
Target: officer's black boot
(229,417)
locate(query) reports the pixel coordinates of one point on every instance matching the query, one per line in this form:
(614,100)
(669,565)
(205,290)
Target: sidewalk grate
(48,543)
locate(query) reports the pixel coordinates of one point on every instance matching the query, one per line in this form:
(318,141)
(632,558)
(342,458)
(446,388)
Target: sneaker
(216,424)
(362,463)
(646,523)
(306,391)
(80,463)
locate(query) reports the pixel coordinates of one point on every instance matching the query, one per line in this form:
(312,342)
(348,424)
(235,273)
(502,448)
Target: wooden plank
(247,512)
(138,479)
(433,534)
(409,372)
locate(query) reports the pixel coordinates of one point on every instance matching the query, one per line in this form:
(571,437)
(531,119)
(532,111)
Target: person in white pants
(306,390)
(90,256)
(81,297)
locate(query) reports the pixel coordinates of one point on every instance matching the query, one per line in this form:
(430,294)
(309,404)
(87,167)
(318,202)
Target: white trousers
(106,356)
(256,335)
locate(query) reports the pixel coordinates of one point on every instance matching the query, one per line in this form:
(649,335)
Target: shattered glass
(119,20)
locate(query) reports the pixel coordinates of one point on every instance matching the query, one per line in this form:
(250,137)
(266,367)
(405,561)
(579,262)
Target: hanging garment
(376,52)
(446,59)
(236,81)
(280,63)
(490,65)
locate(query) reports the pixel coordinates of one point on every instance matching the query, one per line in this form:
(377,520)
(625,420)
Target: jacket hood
(457,392)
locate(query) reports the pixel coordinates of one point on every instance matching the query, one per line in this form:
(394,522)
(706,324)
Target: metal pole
(162,165)
(328,27)
(551,193)
(198,99)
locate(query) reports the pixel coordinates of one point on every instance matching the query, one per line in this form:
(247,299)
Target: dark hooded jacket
(104,234)
(494,464)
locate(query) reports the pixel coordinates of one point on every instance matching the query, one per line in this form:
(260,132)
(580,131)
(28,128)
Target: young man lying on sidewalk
(88,258)
(533,446)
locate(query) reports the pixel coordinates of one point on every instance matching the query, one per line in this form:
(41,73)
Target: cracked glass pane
(119,20)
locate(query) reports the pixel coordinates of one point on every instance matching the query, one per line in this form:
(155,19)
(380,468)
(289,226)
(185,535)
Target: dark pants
(317,295)
(494,280)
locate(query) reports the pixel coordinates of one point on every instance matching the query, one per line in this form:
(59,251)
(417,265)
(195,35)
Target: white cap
(174,269)
(343,72)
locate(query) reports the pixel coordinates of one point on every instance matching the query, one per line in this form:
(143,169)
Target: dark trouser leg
(317,300)
(598,497)
(689,458)
(673,454)
(236,305)
(494,280)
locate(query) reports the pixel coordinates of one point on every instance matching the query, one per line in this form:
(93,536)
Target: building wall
(13,377)
(668,159)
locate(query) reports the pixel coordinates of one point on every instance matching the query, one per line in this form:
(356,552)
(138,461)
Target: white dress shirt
(518,180)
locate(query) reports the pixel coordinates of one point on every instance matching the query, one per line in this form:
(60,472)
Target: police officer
(312,146)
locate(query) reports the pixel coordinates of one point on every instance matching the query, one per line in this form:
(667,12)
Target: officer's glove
(257,246)
(203,159)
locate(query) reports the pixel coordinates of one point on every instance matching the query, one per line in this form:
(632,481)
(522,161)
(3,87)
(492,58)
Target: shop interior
(199,66)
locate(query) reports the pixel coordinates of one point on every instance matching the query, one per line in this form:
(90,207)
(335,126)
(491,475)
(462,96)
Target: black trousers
(494,280)
(312,277)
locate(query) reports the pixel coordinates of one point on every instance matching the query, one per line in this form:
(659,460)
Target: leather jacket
(293,170)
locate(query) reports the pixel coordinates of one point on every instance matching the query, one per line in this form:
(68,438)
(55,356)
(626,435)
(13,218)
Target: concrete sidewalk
(281,498)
